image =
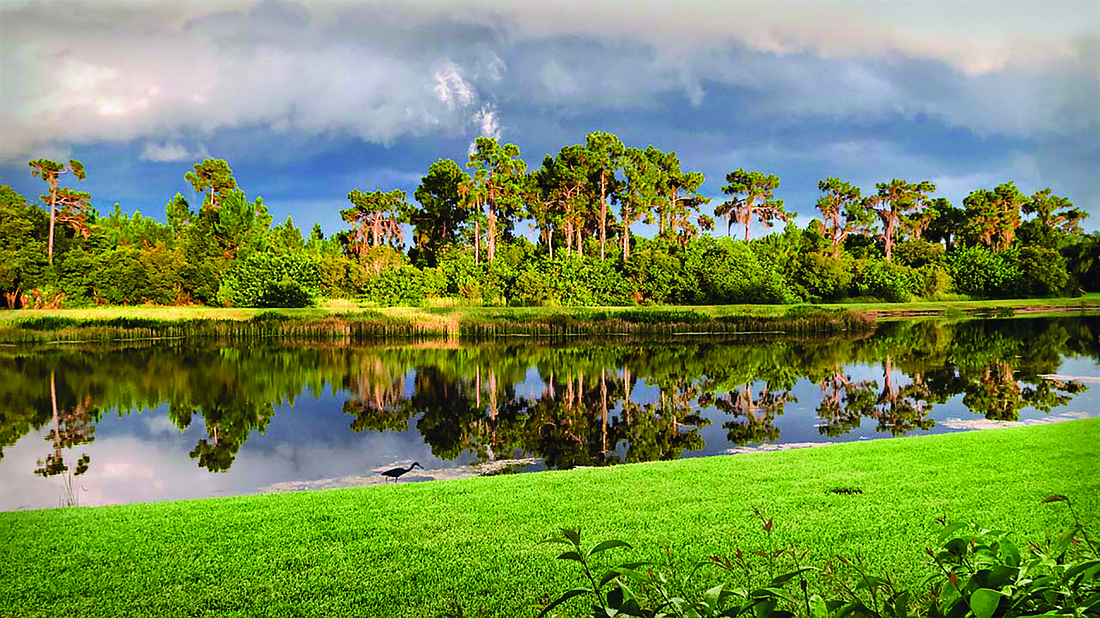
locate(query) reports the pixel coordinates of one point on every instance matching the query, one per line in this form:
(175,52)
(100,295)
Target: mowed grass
(431,549)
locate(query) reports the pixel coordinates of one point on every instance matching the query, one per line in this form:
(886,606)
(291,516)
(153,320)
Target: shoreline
(169,323)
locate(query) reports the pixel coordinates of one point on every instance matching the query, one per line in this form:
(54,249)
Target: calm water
(200,419)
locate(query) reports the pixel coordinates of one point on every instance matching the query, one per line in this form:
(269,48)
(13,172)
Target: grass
(337,320)
(432,549)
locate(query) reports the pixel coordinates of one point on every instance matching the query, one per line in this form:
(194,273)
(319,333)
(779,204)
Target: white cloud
(170,151)
(451,88)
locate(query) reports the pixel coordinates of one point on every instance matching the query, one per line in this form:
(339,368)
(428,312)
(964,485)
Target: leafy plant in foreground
(977,573)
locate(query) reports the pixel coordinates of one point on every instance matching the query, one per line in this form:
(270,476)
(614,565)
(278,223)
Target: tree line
(582,205)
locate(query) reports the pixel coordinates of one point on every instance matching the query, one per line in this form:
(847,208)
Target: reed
(374,325)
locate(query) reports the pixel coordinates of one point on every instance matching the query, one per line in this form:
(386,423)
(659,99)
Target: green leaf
(606,545)
(1009,553)
(555,539)
(1054,498)
(562,599)
(572,555)
(984,602)
(573,534)
(779,580)
(607,577)
(818,609)
(713,596)
(949,530)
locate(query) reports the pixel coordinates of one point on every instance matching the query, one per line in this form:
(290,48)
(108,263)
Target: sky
(308,100)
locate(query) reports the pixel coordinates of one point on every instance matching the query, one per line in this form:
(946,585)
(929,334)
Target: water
(199,419)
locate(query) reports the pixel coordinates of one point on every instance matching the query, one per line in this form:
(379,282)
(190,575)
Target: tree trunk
(492,233)
(492,224)
(477,242)
(53,204)
(603,408)
(603,214)
(891,221)
(626,242)
(580,241)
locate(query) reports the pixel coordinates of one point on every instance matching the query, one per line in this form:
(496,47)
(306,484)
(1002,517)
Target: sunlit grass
(450,310)
(423,549)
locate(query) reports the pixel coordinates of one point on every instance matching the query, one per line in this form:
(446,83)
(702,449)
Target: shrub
(1042,271)
(916,253)
(269,280)
(405,286)
(887,281)
(980,272)
(532,288)
(823,277)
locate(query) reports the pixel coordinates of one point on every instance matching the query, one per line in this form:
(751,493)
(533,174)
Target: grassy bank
(336,322)
(418,549)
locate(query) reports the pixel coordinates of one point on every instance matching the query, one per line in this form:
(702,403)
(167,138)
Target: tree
(640,194)
(75,210)
(441,212)
(945,222)
(178,213)
(376,217)
(841,200)
(561,182)
(21,227)
(472,194)
(1055,213)
(50,171)
(752,197)
(502,181)
(606,152)
(214,178)
(892,202)
(993,216)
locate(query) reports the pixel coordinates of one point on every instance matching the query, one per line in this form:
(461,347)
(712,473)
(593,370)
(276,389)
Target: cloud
(170,151)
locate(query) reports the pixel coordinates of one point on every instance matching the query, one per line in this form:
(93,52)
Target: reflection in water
(570,405)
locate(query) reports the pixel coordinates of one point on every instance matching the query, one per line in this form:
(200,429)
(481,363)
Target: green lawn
(417,549)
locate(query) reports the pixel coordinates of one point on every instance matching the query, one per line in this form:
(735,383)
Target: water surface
(196,419)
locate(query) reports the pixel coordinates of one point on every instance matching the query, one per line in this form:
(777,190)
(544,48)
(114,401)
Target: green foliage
(887,281)
(974,572)
(23,266)
(270,280)
(978,271)
(917,252)
(1042,272)
(405,286)
(823,277)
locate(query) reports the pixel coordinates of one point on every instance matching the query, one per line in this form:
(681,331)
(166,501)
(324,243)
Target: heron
(394,473)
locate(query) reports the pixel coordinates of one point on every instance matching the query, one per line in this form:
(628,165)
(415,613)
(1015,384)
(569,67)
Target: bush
(532,288)
(980,272)
(918,252)
(269,280)
(887,281)
(823,277)
(405,286)
(1042,271)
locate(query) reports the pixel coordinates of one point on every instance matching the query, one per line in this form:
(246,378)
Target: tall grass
(361,325)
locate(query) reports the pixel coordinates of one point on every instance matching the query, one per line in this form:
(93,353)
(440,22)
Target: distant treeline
(894,244)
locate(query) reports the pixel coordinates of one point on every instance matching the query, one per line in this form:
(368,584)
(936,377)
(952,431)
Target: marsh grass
(344,321)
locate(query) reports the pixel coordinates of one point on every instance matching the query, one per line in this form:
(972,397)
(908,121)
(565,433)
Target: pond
(96,424)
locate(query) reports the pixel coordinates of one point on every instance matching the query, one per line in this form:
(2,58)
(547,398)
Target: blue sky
(308,100)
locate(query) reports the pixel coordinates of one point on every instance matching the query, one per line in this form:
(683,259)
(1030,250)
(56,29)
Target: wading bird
(394,473)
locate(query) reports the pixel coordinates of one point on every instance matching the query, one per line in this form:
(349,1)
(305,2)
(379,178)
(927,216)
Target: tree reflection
(590,404)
